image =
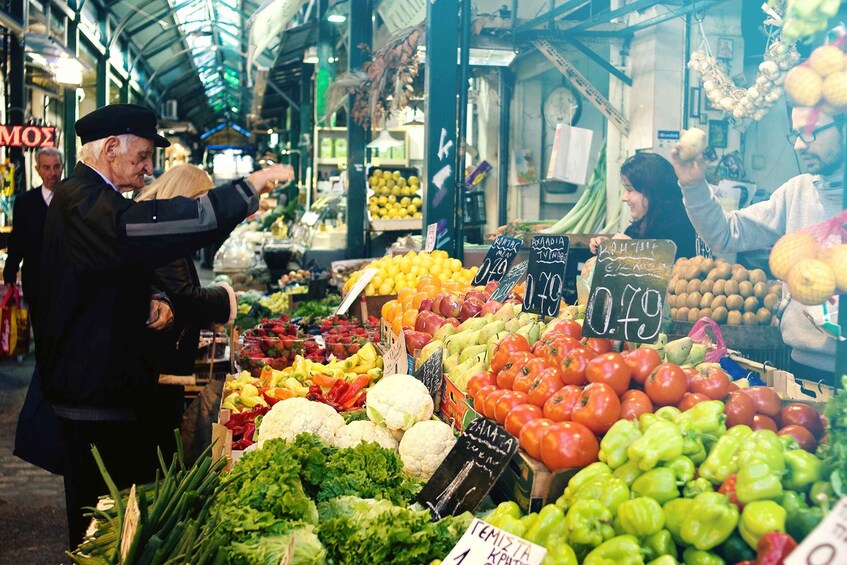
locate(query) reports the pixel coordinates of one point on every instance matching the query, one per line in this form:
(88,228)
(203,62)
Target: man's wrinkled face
(129,166)
(49,168)
(824,155)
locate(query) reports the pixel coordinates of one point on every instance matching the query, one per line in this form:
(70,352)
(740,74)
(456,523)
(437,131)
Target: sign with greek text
(483,544)
(396,360)
(357,288)
(545,277)
(507,283)
(628,289)
(497,260)
(431,373)
(27,136)
(431,233)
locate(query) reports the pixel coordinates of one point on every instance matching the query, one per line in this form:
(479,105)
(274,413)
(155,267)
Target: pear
(513,325)
(467,373)
(428,350)
(696,355)
(489,317)
(471,324)
(527,318)
(461,340)
(506,312)
(493,341)
(530,331)
(444,332)
(472,352)
(662,341)
(704,368)
(490,329)
(677,350)
(459,369)
(451,362)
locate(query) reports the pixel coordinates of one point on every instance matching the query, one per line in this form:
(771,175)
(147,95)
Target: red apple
(492,286)
(416,340)
(491,307)
(453,321)
(474,293)
(432,323)
(425,305)
(451,307)
(471,307)
(421,319)
(436,303)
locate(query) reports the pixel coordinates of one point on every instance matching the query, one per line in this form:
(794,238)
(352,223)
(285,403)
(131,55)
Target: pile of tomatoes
(561,394)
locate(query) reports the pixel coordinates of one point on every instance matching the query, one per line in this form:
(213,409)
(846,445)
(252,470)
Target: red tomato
(531,435)
(641,362)
(690,374)
(665,385)
(553,340)
(803,436)
(739,410)
(520,415)
(598,408)
(598,345)
(569,328)
(733,387)
(765,399)
(560,347)
(715,384)
(762,422)
(481,396)
(728,488)
(506,402)
(560,406)
(512,368)
(689,399)
(574,365)
(512,343)
(802,415)
(609,368)
(545,384)
(490,403)
(568,445)
(634,403)
(480,380)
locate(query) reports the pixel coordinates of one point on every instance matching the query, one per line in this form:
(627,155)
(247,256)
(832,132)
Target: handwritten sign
(497,260)
(356,290)
(827,543)
(464,478)
(130,523)
(431,373)
(482,544)
(396,360)
(628,289)
(431,234)
(507,283)
(545,277)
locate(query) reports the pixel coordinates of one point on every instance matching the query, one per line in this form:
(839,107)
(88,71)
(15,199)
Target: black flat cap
(119,119)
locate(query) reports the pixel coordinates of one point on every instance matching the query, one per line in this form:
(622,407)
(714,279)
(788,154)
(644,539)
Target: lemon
(413,180)
(811,282)
(402,182)
(395,175)
(370,290)
(392,199)
(377,173)
(417,201)
(395,191)
(403,213)
(406,190)
(390,183)
(405,201)
(385,288)
(804,85)
(455,265)
(418,215)
(387,175)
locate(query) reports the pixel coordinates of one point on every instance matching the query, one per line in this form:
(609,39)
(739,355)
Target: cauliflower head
(424,446)
(398,402)
(294,416)
(360,431)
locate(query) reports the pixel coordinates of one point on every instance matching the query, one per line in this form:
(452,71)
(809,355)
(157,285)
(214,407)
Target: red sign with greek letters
(27,136)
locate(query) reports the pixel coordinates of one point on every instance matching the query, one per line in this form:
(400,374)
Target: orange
(397,325)
(428,280)
(416,300)
(789,250)
(409,317)
(404,292)
(390,309)
(430,290)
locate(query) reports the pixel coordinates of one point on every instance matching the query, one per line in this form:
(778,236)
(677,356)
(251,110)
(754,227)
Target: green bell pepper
(693,556)
(759,518)
(788,443)
(609,490)
(674,512)
(793,501)
(804,469)
(693,448)
(529,520)
(620,550)
(551,519)
(669,413)
(800,519)
(512,525)
(646,420)
(822,495)
(641,516)
(697,486)
(683,469)
(704,417)
(658,544)
(508,508)
(558,551)
(763,446)
(658,483)
(628,472)
(585,476)
(589,522)
(661,442)
(721,463)
(736,550)
(709,521)
(756,481)
(740,432)
(616,441)
(664,560)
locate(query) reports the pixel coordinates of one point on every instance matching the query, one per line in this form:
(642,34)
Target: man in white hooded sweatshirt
(804,200)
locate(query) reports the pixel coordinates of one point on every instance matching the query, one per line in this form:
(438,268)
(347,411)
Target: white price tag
(396,360)
(356,290)
(482,544)
(310,218)
(826,544)
(431,234)
(319,339)
(130,527)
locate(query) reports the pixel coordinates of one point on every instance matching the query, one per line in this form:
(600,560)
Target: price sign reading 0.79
(628,289)
(497,260)
(545,277)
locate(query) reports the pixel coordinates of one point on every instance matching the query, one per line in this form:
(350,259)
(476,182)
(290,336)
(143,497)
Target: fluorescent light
(67,71)
(480,57)
(336,18)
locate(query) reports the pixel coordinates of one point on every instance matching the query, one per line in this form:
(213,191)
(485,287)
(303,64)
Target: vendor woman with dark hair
(652,192)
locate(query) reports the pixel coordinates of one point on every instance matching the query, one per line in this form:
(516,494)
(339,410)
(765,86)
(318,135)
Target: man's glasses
(809,137)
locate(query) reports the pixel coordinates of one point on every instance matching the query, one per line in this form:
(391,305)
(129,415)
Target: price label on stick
(483,544)
(497,260)
(545,277)
(470,469)
(431,373)
(507,283)
(628,289)
(431,234)
(396,360)
(357,288)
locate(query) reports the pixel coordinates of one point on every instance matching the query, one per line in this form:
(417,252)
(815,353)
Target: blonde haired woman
(195,307)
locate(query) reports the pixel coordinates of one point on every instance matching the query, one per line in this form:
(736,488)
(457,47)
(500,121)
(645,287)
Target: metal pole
(464,62)
(507,81)
(17,102)
(841,346)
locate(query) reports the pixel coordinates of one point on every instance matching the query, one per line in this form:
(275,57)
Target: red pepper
(337,391)
(360,400)
(773,548)
(349,397)
(728,488)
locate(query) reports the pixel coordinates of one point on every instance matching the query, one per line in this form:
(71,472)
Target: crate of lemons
(393,196)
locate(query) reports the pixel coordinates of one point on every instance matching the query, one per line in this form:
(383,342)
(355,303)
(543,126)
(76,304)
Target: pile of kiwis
(728,293)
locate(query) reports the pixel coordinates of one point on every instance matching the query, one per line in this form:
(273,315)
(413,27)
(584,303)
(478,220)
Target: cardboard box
(366,306)
(787,386)
(530,483)
(456,408)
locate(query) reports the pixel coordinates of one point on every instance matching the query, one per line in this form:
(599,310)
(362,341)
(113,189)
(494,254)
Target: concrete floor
(33,527)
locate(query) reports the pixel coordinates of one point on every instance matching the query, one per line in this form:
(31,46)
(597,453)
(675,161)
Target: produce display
(394,195)
(811,271)
(313,310)
(402,271)
(727,293)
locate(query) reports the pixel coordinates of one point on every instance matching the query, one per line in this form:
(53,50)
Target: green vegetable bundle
(589,213)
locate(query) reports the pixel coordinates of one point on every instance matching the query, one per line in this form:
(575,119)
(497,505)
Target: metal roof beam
(594,56)
(671,14)
(153,19)
(565,8)
(608,15)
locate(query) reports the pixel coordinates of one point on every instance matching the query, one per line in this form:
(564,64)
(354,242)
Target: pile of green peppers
(679,486)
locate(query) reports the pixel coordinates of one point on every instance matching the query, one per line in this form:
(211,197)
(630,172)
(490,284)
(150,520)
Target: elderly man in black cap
(98,370)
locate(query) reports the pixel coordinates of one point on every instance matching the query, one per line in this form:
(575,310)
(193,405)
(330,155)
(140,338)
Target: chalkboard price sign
(545,278)
(431,373)
(508,282)
(497,260)
(476,461)
(628,289)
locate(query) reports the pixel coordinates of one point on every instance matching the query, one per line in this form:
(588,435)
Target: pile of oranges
(403,311)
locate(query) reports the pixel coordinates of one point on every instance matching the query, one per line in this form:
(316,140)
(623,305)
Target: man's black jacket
(100,249)
(28,218)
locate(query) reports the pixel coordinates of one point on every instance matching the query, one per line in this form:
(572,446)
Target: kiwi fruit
(706,286)
(758,276)
(771,301)
(719,301)
(694,300)
(692,272)
(763,316)
(706,265)
(745,289)
(760,290)
(719,288)
(706,301)
(682,300)
(734,302)
(749,319)
(751,304)
(705,312)
(733,318)
(680,286)
(723,270)
(731,287)
(719,314)
(673,313)
(672,301)
(693,284)
(740,274)
(693,315)
(682,314)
